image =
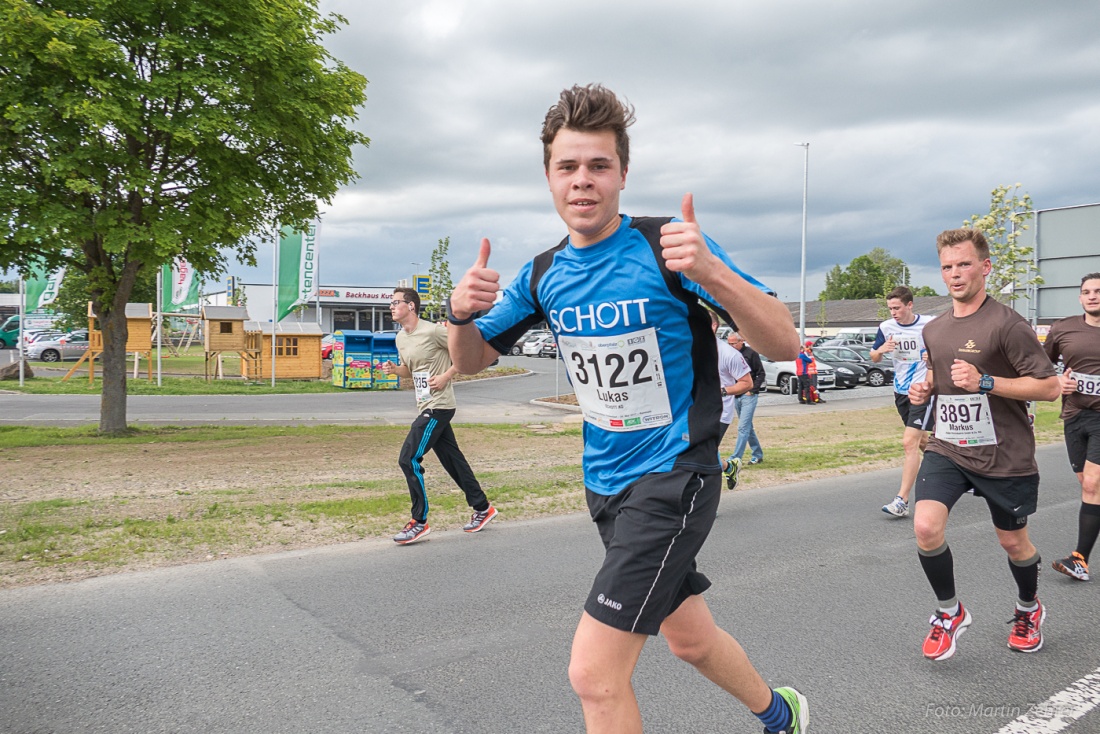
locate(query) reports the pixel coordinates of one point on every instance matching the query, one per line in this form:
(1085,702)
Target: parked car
(878,373)
(849,373)
(541,346)
(783,377)
(864,335)
(69,346)
(517,348)
(834,342)
(328,341)
(36,335)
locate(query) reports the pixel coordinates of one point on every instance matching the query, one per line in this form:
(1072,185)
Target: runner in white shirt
(902,337)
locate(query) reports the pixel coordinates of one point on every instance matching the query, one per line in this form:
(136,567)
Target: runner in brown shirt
(1077,340)
(984,364)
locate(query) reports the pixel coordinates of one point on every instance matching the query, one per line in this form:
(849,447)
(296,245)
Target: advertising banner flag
(297,269)
(41,289)
(181,286)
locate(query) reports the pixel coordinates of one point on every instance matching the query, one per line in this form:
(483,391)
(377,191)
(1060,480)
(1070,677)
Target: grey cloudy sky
(914,111)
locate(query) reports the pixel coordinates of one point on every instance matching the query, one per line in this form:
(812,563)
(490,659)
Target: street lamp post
(802,289)
(416,272)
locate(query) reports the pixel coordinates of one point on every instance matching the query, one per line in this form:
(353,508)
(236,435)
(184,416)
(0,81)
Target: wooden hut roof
(225,313)
(133,310)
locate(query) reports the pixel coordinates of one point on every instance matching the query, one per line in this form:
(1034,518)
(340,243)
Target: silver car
(782,375)
(70,346)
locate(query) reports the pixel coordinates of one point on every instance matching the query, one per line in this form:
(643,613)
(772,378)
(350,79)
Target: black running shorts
(921,417)
(1010,499)
(1083,439)
(651,531)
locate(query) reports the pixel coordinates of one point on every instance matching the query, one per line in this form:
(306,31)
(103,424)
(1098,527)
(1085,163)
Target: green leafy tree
(9,286)
(924,290)
(134,131)
(866,276)
(1007,219)
(240,298)
(861,279)
(440,273)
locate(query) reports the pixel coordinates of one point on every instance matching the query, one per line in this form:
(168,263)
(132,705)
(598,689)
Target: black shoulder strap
(650,227)
(540,265)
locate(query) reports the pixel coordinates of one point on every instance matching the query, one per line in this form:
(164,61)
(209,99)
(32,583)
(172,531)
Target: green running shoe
(800,711)
(732,470)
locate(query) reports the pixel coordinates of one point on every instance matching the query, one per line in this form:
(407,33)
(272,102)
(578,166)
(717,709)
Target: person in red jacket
(806,367)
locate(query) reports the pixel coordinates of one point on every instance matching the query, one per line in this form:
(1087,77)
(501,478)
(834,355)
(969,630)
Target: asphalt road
(498,400)
(469,633)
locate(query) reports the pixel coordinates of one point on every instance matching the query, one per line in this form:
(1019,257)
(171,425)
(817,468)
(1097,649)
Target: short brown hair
(953,237)
(1090,276)
(589,109)
(411,296)
(902,293)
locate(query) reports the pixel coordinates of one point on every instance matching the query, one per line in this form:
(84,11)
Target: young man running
(422,347)
(984,365)
(901,337)
(623,297)
(1077,340)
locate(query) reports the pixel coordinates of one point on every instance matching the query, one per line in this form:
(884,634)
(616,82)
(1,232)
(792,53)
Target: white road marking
(1060,710)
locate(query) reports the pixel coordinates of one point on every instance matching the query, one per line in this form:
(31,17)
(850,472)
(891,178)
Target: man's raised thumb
(687,208)
(483,254)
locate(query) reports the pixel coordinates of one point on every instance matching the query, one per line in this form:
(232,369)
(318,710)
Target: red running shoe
(412,532)
(1027,632)
(940,643)
(480,519)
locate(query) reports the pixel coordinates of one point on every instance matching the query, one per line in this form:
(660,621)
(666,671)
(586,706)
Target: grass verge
(169,495)
(194,385)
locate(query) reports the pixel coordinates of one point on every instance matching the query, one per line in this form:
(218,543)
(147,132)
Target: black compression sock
(1088,527)
(939,567)
(1026,574)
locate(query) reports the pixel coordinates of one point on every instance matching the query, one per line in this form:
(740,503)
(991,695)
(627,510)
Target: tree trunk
(112,401)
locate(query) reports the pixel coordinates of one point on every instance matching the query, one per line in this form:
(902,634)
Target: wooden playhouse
(297,351)
(223,331)
(139,338)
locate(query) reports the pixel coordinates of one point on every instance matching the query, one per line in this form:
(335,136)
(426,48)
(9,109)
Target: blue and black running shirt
(637,345)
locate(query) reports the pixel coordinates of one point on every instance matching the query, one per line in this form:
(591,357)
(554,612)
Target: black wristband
(452,319)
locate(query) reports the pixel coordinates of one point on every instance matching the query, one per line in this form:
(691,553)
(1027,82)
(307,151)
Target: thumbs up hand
(477,291)
(684,248)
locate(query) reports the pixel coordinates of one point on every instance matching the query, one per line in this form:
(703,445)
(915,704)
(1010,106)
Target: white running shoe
(898,507)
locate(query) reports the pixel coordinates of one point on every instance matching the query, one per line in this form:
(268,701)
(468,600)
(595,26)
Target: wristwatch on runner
(452,319)
(985,384)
